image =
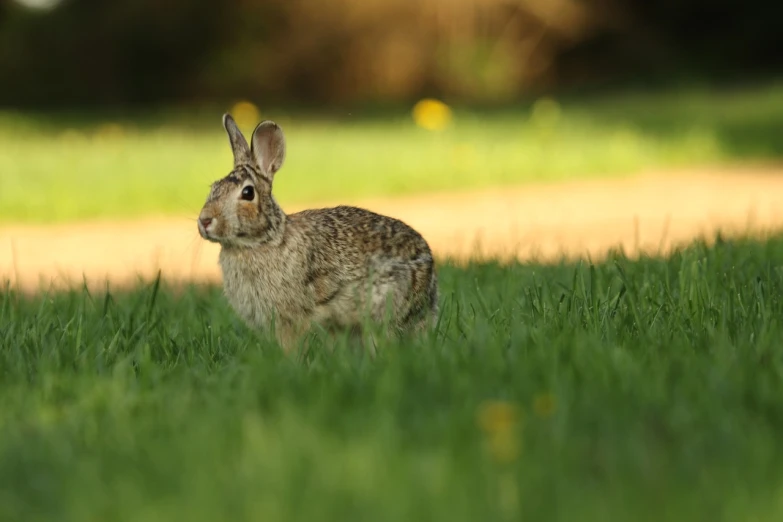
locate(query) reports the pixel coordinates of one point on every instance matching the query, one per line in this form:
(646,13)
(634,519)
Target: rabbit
(334,266)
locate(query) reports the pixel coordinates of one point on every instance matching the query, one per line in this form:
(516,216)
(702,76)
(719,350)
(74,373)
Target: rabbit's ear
(268,148)
(238,142)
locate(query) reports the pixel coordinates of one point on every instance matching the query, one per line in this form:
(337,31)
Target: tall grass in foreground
(63,167)
(628,390)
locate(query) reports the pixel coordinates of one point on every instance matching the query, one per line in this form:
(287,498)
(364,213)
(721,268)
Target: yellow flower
(430,114)
(544,404)
(245,113)
(494,416)
(498,420)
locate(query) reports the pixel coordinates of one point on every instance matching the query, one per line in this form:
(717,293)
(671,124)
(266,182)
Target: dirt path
(647,213)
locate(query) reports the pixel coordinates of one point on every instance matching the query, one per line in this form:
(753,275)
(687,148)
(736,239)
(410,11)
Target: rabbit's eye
(248,193)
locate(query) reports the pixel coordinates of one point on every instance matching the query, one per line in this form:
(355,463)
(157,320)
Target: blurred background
(89,53)
(112,110)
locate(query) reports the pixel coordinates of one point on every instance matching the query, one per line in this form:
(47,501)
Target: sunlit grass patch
(55,168)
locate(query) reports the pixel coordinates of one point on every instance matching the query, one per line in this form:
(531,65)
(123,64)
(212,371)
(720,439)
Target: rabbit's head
(240,209)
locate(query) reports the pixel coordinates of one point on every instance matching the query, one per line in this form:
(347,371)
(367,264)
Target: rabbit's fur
(331,266)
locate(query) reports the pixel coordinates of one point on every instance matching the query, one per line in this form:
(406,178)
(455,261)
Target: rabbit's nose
(205,221)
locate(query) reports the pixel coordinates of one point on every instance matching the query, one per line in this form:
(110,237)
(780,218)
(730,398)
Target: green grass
(666,374)
(56,167)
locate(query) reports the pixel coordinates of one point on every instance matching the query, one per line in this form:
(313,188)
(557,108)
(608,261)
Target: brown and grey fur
(330,266)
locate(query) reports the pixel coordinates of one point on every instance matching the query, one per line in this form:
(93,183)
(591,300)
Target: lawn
(628,390)
(56,167)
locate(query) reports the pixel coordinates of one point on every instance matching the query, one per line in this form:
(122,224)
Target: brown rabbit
(332,266)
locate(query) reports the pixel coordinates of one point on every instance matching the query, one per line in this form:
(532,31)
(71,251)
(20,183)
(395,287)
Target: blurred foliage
(87,52)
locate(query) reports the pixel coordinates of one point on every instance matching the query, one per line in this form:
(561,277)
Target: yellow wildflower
(246,114)
(433,115)
(498,420)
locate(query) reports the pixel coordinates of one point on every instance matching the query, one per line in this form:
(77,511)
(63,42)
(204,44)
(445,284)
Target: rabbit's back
(351,235)
(362,261)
